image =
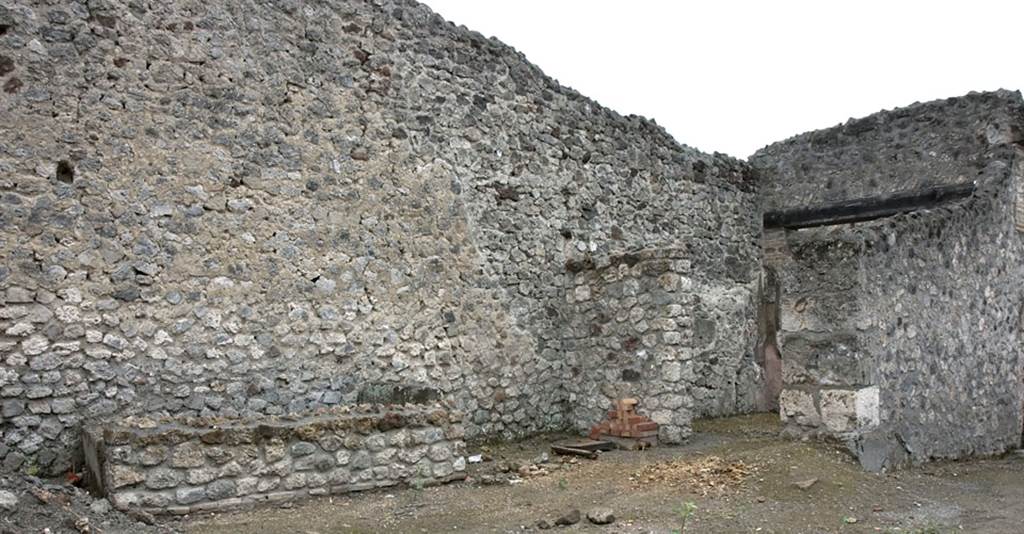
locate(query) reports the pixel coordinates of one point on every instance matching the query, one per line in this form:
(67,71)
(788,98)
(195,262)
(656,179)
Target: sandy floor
(738,475)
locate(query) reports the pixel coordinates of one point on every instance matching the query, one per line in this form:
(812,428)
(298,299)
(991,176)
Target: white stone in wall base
(838,410)
(868,408)
(797,406)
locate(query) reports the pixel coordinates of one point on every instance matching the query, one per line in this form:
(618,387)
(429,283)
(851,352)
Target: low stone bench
(187,465)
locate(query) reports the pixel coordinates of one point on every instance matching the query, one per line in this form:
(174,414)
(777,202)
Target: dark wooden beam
(866,209)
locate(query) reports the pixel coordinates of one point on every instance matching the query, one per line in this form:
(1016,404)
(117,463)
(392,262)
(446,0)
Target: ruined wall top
(943,142)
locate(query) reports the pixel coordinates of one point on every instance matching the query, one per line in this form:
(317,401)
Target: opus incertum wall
(188,465)
(256,209)
(250,210)
(901,335)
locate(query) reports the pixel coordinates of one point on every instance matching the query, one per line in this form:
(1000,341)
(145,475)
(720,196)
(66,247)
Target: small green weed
(685,513)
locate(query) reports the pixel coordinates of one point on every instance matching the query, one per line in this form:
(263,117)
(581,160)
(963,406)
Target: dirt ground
(735,474)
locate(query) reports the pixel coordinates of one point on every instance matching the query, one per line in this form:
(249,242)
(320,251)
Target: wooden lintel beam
(866,209)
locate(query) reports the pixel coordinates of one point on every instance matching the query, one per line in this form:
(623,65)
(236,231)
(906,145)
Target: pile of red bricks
(624,422)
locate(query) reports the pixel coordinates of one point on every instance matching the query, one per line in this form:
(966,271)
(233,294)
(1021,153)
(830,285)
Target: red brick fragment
(623,421)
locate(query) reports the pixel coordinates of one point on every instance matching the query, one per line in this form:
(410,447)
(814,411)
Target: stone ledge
(362,419)
(181,466)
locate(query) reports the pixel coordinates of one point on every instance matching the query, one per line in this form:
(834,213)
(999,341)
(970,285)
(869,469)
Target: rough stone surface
(244,461)
(650,325)
(601,516)
(942,142)
(797,406)
(240,209)
(569,518)
(29,504)
(838,410)
(8,501)
(248,210)
(919,313)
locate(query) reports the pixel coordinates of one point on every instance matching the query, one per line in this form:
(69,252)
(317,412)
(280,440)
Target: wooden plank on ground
(631,444)
(591,445)
(570,451)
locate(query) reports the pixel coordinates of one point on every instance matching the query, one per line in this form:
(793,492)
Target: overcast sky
(733,76)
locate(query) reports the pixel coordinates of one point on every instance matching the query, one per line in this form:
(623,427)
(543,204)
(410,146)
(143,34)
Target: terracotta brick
(624,422)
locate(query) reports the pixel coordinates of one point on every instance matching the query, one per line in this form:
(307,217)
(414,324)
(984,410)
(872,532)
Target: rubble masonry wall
(910,323)
(243,209)
(187,465)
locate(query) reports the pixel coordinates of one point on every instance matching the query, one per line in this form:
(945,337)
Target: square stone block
(797,406)
(838,409)
(850,410)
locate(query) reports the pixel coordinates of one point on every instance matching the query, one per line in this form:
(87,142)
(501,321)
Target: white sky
(733,76)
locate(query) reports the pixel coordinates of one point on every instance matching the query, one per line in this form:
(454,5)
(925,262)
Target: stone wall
(645,326)
(825,364)
(203,464)
(901,336)
(247,208)
(943,142)
(944,292)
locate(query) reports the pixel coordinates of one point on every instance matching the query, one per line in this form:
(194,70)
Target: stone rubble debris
(601,516)
(31,504)
(569,518)
(805,484)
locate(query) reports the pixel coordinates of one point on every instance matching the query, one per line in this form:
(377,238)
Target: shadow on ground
(737,473)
